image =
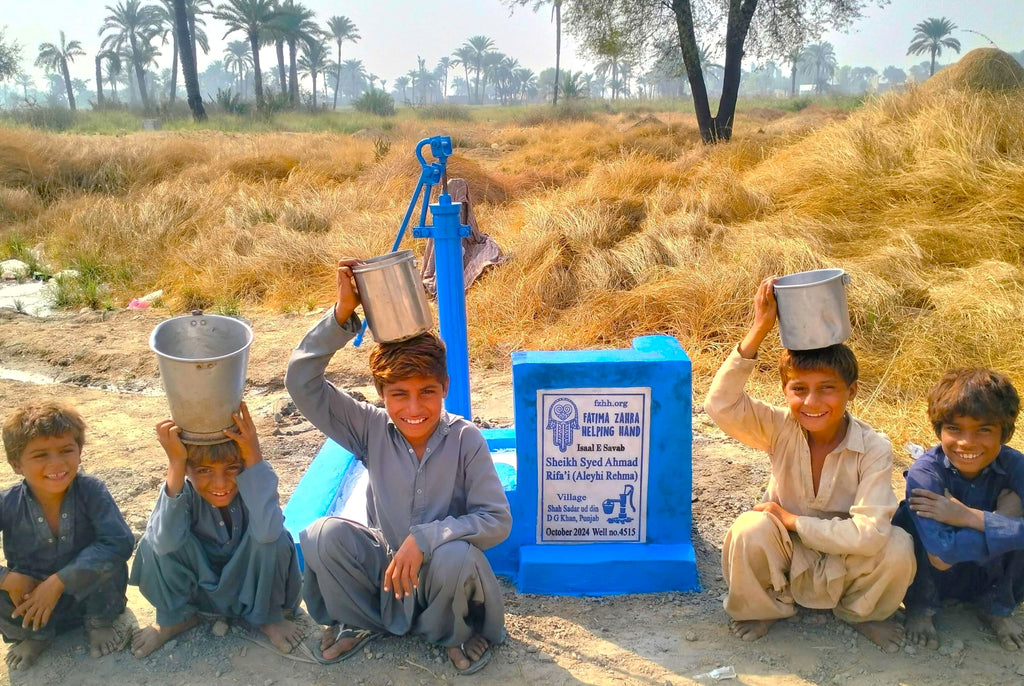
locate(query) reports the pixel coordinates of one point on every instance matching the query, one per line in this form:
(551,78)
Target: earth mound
(983,69)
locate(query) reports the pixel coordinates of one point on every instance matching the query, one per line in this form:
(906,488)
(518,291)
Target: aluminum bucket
(203,360)
(813,312)
(393,298)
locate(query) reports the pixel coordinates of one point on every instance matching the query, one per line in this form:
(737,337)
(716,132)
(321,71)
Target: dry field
(619,226)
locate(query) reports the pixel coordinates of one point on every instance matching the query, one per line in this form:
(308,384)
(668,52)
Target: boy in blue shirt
(65,541)
(963,508)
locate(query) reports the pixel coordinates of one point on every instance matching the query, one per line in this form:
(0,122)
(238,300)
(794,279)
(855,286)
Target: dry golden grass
(616,227)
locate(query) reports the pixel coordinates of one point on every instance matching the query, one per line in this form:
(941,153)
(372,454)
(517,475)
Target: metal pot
(202,360)
(813,312)
(393,298)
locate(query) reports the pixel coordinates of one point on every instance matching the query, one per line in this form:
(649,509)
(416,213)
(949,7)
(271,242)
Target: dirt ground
(101,363)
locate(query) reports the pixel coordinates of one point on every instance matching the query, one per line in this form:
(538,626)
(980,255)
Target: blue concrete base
(607,569)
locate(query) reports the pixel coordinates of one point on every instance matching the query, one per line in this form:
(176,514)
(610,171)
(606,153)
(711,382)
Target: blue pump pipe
(447,232)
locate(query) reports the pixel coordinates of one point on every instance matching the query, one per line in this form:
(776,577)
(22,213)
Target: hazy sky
(394,32)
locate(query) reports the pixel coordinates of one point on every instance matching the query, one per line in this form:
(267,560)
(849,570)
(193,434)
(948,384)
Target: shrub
(445,112)
(376,102)
(48,118)
(231,103)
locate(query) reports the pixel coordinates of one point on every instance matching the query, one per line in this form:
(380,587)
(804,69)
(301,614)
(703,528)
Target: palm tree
(250,17)
(819,59)
(131,26)
(113,69)
(357,72)
(443,65)
(25,80)
(313,61)
(574,85)
(238,60)
(793,57)
(341,29)
(295,23)
(100,56)
(526,80)
(185,16)
(196,34)
(402,82)
(556,16)
(479,47)
(464,56)
(55,57)
(931,36)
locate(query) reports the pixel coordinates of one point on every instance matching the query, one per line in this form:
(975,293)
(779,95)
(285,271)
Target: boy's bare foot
(887,635)
(919,629)
(154,636)
(104,638)
(285,634)
(750,629)
(466,656)
(1008,632)
(23,654)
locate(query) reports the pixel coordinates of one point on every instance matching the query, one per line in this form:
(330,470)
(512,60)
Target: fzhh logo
(563,417)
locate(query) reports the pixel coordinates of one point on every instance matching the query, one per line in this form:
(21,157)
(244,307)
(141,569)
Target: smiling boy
(821,537)
(434,501)
(65,541)
(963,508)
(216,542)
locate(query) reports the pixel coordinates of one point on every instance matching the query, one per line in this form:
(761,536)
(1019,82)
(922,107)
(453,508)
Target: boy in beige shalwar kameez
(821,537)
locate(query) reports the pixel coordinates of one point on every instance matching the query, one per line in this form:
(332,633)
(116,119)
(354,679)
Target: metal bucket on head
(393,298)
(813,312)
(203,360)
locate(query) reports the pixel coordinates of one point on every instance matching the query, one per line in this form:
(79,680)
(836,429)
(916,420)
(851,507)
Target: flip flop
(475,667)
(363,637)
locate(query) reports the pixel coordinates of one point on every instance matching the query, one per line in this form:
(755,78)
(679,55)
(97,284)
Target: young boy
(66,543)
(821,537)
(434,502)
(963,508)
(216,542)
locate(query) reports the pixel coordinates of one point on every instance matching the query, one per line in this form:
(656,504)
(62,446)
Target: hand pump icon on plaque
(621,501)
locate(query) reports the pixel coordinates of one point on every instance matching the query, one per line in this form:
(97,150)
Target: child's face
(971,444)
(50,463)
(216,482)
(818,399)
(414,405)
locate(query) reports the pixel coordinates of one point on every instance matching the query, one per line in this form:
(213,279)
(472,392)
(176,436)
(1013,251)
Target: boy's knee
(451,555)
(753,525)
(335,531)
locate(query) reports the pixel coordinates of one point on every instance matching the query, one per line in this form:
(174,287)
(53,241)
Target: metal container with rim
(203,360)
(813,312)
(392,295)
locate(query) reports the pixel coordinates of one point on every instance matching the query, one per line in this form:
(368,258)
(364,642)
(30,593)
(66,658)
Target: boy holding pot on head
(434,502)
(963,508)
(216,542)
(821,536)
(65,541)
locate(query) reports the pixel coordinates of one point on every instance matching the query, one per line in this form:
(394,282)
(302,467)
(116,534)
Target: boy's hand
(403,573)
(18,586)
(946,509)
(39,603)
(1008,504)
(168,433)
(244,435)
(766,312)
(348,293)
(787,518)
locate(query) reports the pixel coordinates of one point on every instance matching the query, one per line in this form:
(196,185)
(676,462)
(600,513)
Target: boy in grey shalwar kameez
(434,502)
(216,542)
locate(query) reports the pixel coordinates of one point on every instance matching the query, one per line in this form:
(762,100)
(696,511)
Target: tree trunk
(174,67)
(282,74)
(932,71)
(189,73)
(99,81)
(257,77)
(792,77)
(67,82)
(314,91)
(293,73)
(140,74)
(337,82)
(558,45)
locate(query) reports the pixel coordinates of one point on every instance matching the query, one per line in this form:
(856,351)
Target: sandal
(362,636)
(475,667)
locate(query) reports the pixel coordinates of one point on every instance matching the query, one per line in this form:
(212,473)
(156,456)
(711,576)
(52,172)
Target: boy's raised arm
(335,413)
(169,524)
(745,419)
(257,483)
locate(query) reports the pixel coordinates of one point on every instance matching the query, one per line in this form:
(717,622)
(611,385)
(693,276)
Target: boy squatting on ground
(821,537)
(434,501)
(963,508)
(216,542)
(66,543)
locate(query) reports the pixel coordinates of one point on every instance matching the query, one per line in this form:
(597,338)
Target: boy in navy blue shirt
(66,543)
(963,508)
